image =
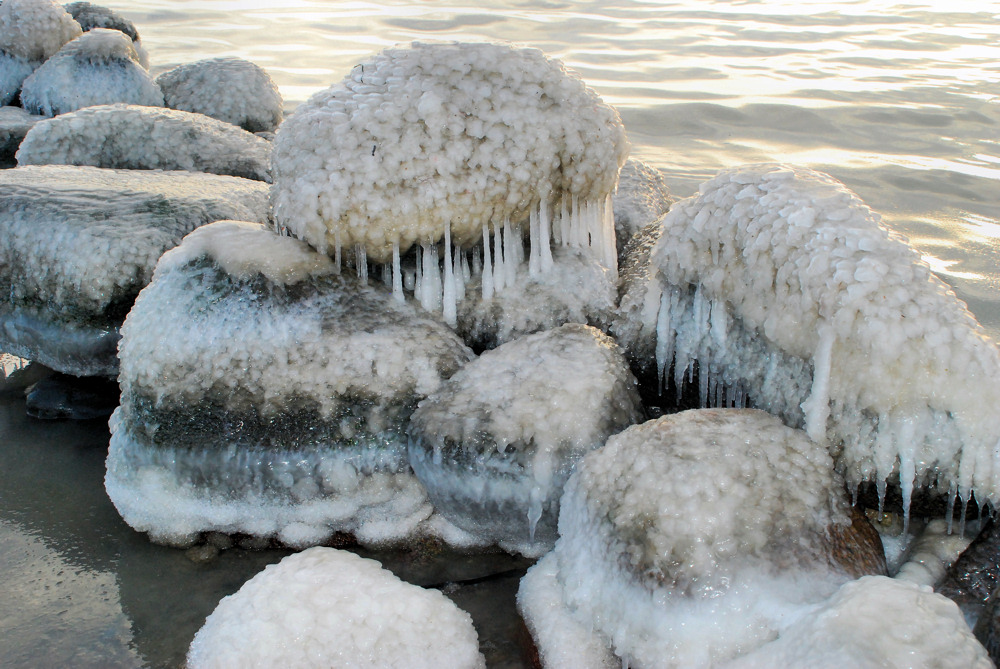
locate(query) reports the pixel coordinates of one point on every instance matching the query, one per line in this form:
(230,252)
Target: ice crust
(99,67)
(495,445)
(699,535)
(228,89)
(876,622)
(330,608)
(146,138)
(91,16)
(266,394)
(458,138)
(34,30)
(79,244)
(781,285)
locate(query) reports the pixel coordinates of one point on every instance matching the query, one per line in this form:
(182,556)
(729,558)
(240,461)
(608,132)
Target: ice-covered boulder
(875,622)
(146,138)
(91,16)
(695,537)
(330,608)
(578,289)
(779,285)
(641,198)
(229,89)
(265,393)
(30,32)
(78,243)
(99,67)
(14,125)
(495,445)
(452,144)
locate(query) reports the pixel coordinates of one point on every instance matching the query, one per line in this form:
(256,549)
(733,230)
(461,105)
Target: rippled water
(901,101)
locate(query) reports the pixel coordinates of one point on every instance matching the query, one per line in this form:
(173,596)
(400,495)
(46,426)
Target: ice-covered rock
(495,445)
(779,284)
(265,393)
(91,16)
(697,536)
(99,67)
(457,143)
(229,89)
(642,197)
(875,623)
(330,608)
(577,289)
(146,138)
(14,125)
(30,32)
(78,243)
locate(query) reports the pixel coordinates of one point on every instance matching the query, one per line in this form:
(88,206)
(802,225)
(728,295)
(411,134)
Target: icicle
(461,277)
(703,376)
(418,279)
(387,275)
(337,258)
(880,487)
(449,293)
(610,242)
(907,474)
(664,340)
(464,258)
(477,263)
(535,244)
(511,259)
(397,275)
(499,274)
(854,493)
(430,295)
(487,281)
(545,236)
(952,494)
(965,510)
(564,223)
(817,405)
(361,262)
(534,511)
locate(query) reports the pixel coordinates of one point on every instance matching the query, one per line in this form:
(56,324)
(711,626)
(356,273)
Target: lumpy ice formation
(30,32)
(329,608)
(779,285)
(452,142)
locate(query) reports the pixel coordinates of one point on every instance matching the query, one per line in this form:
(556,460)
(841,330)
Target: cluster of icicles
(442,271)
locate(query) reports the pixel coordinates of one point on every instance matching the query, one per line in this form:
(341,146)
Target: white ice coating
(330,608)
(228,89)
(124,136)
(264,393)
(875,623)
(91,16)
(931,554)
(99,67)
(699,535)
(34,30)
(642,197)
(470,138)
(496,443)
(780,283)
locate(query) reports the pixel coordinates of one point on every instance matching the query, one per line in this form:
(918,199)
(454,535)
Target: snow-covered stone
(78,243)
(14,125)
(264,393)
(698,536)
(99,67)
(642,197)
(91,16)
(146,138)
(30,32)
(330,608)
(229,89)
(495,445)
(781,286)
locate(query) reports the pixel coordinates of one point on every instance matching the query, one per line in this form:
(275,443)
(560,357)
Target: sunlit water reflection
(901,101)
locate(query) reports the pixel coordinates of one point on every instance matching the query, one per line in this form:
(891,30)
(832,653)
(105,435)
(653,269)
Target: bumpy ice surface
(780,284)
(146,138)
(495,445)
(264,393)
(329,608)
(80,242)
(688,539)
(30,32)
(99,67)
(229,89)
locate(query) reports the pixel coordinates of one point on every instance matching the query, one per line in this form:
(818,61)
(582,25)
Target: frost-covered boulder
(330,608)
(641,198)
(694,537)
(99,67)
(91,16)
(30,32)
(780,285)
(229,89)
(265,393)
(875,622)
(14,125)
(495,445)
(577,289)
(146,138)
(452,143)
(77,244)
